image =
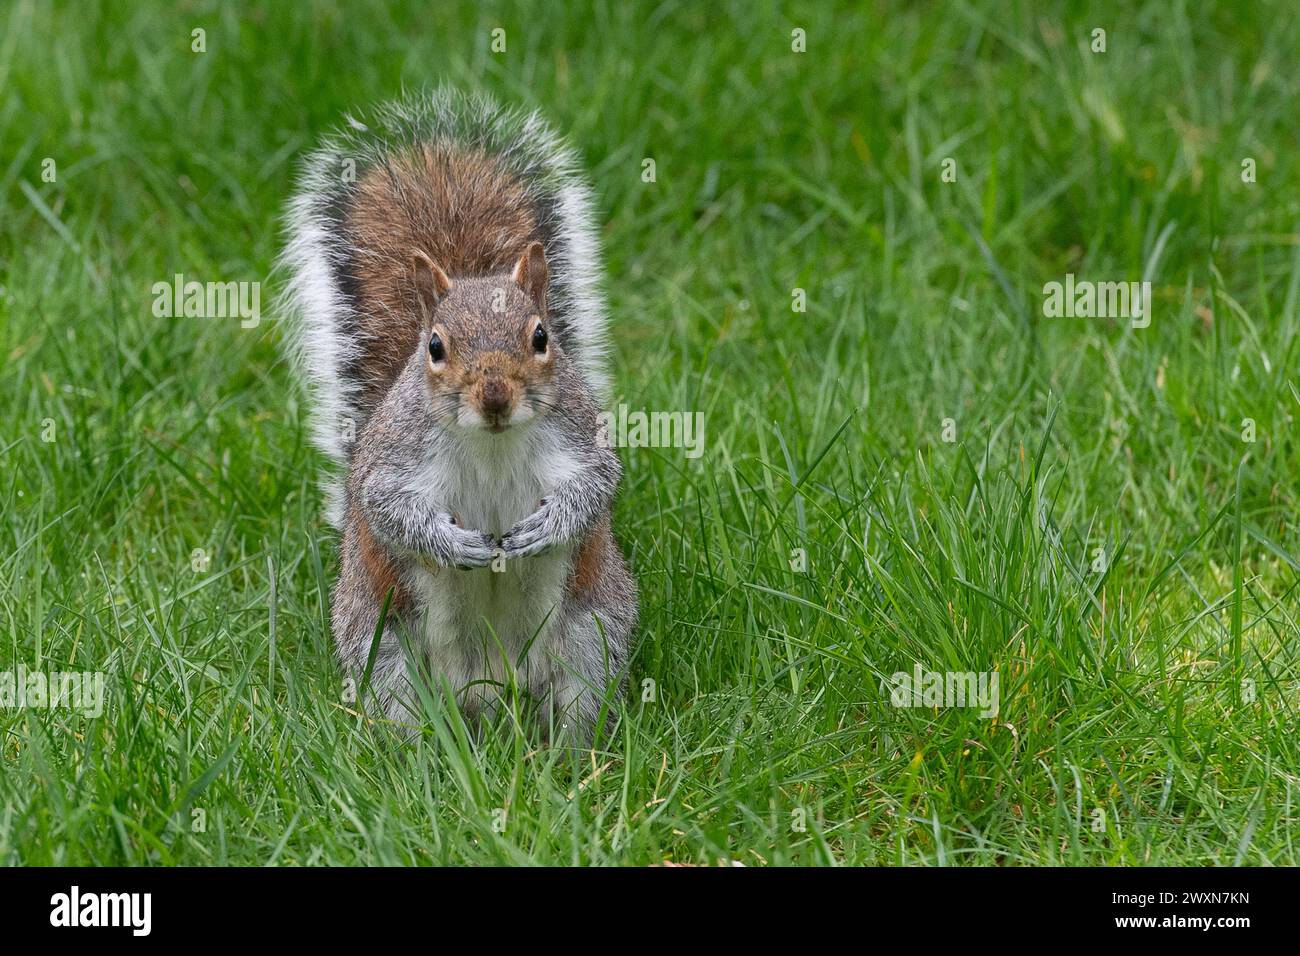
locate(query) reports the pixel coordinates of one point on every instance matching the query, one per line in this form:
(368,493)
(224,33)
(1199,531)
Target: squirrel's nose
(496,397)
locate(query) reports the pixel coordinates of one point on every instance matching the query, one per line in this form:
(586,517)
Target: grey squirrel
(445,310)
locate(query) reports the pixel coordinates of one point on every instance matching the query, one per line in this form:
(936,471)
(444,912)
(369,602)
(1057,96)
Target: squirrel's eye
(436,351)
(539,340)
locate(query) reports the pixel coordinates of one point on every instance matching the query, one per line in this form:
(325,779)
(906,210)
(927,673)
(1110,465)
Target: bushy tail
(329,337)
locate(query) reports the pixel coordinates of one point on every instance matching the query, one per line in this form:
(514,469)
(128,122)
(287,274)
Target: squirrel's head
(489,356)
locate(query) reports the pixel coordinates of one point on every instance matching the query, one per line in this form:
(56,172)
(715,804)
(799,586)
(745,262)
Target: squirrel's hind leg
(592,643)
(589,675)
(388,687)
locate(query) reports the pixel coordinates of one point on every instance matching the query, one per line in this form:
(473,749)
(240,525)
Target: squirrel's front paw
(530,536)
(469,548)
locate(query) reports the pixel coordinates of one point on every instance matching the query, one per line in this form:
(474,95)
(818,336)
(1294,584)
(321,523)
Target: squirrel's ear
(431,283)
(530,275)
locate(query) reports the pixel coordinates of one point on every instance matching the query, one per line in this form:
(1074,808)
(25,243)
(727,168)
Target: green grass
(1161,692)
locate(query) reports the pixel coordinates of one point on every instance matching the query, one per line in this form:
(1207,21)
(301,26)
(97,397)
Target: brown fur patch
(460,207)
(379,569)
(589,560)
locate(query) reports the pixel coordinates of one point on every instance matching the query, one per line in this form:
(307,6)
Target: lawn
(907,463)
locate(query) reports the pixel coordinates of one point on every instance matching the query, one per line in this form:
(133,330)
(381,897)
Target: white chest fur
(490,482)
